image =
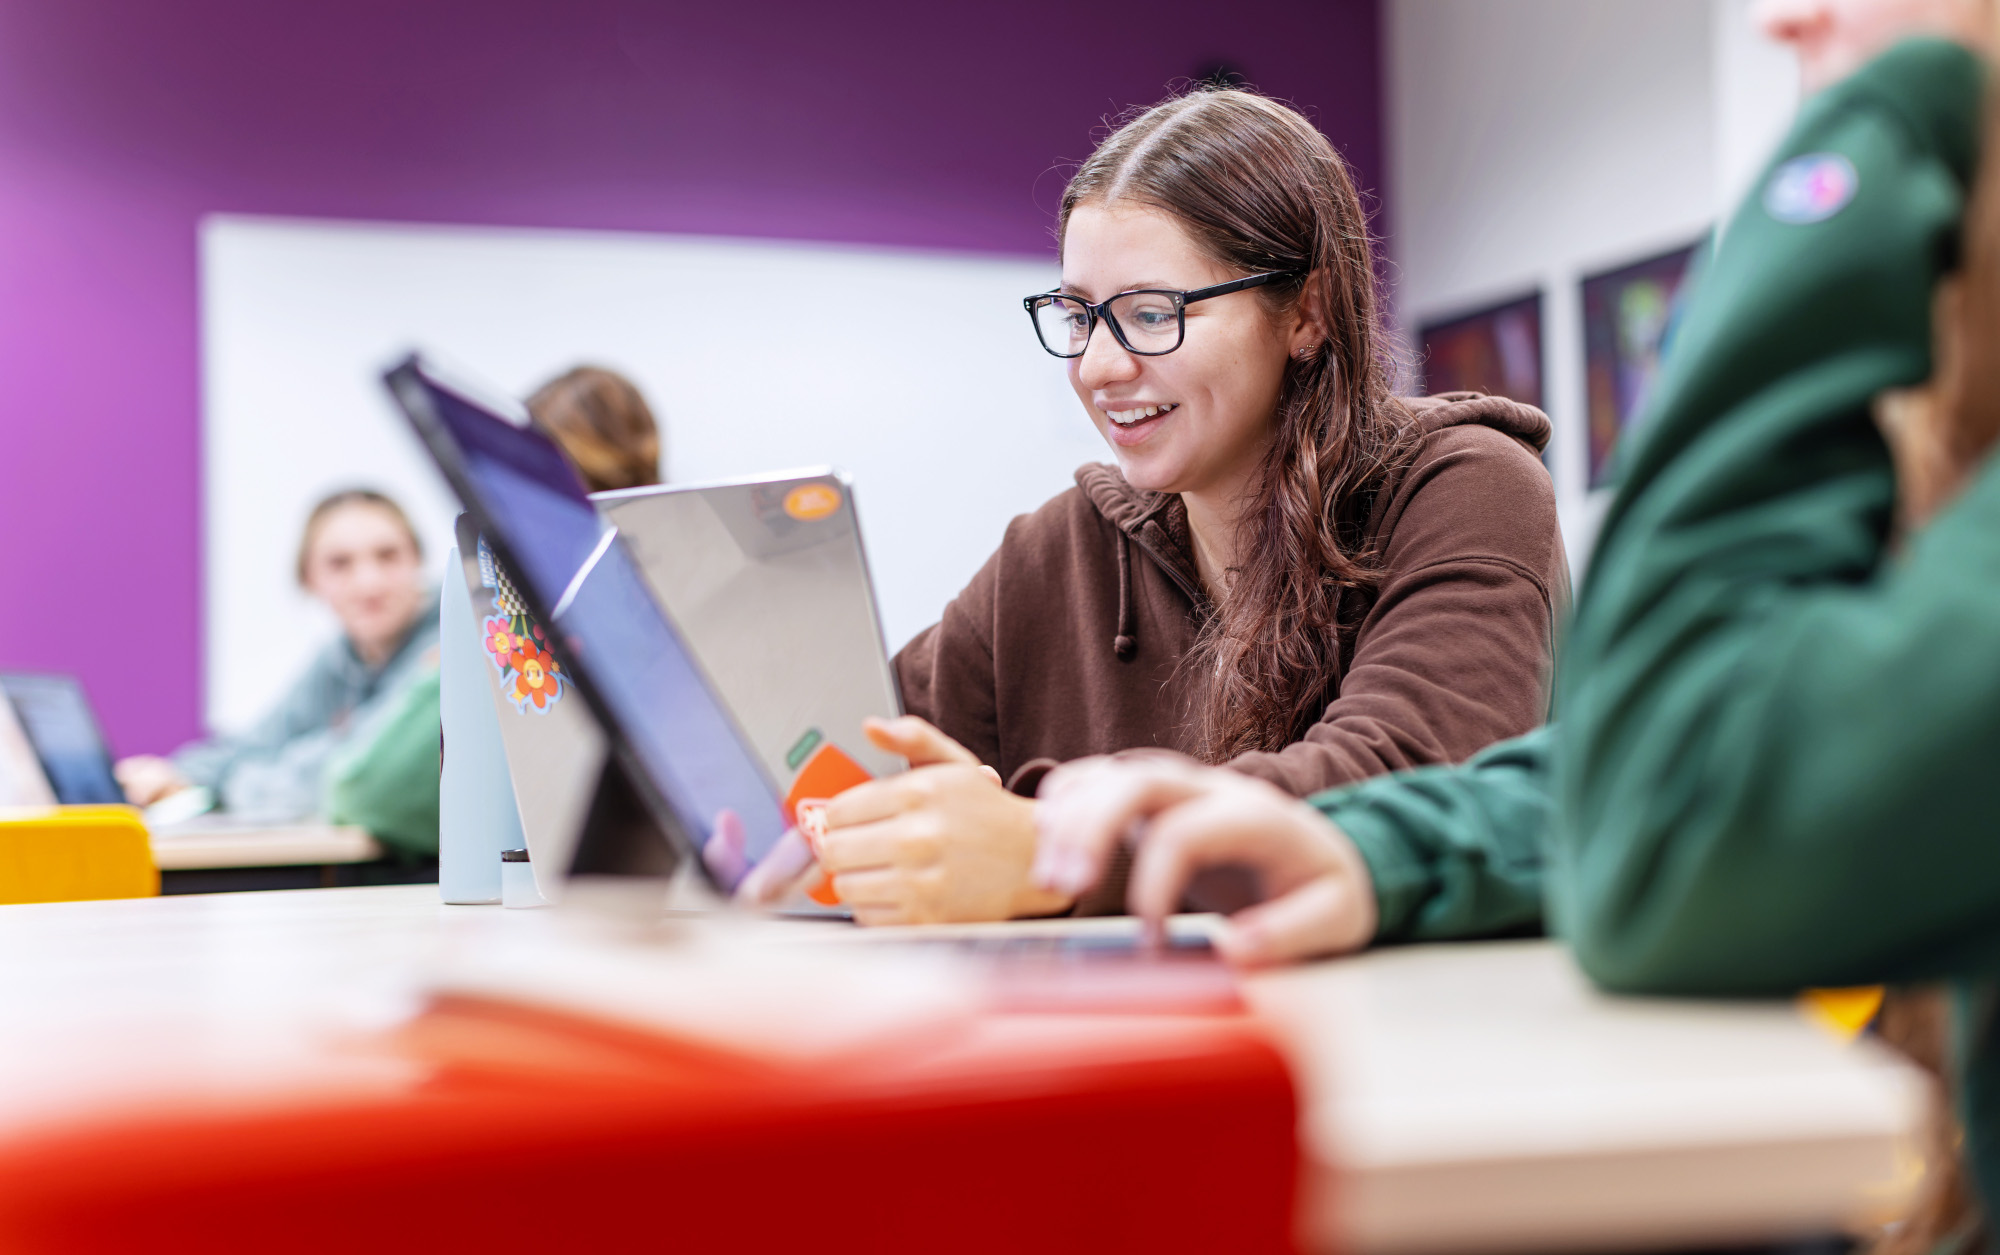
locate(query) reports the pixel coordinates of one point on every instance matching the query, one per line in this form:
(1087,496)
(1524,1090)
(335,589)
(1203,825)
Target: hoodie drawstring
(1126,643)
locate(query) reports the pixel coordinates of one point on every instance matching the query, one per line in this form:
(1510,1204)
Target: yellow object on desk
(1846,1013)
(74,854)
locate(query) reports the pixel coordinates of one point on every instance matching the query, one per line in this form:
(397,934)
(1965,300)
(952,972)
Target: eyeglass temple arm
(1237,285)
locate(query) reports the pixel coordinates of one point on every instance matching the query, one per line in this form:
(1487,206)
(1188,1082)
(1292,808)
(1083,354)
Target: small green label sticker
(804,746)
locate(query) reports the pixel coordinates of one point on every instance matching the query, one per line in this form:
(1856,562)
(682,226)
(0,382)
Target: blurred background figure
(387,779)
(605,426)
(362,559)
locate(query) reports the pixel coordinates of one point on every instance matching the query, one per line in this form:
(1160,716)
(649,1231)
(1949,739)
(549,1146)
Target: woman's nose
(1104,360)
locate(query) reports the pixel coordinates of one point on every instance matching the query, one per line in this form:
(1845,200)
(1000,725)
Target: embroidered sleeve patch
(1811,188)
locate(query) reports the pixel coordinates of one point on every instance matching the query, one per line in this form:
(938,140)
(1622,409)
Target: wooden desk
(1453,1098)
(1485,1098)
(291,845)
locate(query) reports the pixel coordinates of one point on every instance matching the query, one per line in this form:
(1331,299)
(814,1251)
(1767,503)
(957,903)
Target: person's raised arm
(1767,733)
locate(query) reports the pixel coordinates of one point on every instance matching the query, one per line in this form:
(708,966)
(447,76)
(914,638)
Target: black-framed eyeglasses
(1150,322)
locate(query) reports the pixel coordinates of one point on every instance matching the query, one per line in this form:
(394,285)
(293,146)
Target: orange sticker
(828,772)
(812,501)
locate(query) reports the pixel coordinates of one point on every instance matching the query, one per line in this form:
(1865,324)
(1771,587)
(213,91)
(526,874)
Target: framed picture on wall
(1496,350)
(1626,316)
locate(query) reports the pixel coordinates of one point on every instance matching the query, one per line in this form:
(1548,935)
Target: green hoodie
(1770,767)
(1774,735)
(1757,496)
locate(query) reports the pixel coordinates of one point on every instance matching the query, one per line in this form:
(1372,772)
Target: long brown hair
(1259,189)
(603,424)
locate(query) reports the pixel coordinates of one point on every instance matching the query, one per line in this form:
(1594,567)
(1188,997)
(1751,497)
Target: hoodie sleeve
(1455,652)
(1455,852)
(946,672)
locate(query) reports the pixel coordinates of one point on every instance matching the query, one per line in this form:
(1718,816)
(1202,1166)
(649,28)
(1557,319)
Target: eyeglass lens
(1151,322)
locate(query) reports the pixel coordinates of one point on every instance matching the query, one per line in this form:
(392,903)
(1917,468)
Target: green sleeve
(1455,852)
(388,783)
(1769,735)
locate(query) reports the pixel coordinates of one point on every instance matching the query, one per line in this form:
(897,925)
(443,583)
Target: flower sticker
(530,677)
(536,680)
(499,638)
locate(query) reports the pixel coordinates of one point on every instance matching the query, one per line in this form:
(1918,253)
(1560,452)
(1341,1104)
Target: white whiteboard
(915,371)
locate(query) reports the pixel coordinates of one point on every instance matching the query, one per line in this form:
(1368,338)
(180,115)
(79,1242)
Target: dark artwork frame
(1496,349)
(1628,318)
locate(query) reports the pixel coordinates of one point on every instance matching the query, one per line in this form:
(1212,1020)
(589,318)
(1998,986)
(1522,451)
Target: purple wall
(123,121)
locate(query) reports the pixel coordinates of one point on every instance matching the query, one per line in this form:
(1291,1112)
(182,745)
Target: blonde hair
(339,500)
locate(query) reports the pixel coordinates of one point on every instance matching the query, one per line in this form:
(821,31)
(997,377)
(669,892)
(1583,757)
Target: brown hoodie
(1069,640)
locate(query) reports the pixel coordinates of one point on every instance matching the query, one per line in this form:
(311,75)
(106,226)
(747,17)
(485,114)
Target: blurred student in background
(360,556)
(388,781)
(604,425)
(1289,570)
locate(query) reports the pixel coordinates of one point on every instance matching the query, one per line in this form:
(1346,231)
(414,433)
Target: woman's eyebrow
(1071,289)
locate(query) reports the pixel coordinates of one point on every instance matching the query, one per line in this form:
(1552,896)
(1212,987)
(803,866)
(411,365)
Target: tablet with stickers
(683,782)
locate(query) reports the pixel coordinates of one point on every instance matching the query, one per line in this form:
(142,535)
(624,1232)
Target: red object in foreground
(1045,1133)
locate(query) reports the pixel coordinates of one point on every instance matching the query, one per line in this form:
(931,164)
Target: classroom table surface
(280,845)
(1476,1097)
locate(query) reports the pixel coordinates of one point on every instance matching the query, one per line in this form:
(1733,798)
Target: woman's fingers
(1198,833)
(917,740)
(1320,917)
(1085,811)
(873,891)
(886,843)
(147,779)
(1323,899)
(787,868)
(870,803)
(724,852)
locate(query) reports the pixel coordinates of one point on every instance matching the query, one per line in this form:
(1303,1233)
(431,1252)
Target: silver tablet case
(768,581)
(555,748)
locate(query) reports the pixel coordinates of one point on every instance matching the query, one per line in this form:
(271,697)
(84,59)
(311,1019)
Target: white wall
(917,372)
(1532,142)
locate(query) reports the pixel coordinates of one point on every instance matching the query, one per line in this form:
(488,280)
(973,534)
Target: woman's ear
(1309,332)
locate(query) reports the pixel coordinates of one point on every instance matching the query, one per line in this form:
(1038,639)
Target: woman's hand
(942,842)
(1318,896)
(147,779)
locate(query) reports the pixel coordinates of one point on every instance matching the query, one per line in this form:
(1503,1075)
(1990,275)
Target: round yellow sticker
(812,501)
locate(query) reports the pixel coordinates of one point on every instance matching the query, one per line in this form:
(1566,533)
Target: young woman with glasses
(1289,570)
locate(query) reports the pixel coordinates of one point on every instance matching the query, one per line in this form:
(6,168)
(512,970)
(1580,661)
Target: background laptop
(63,730)
(22,780)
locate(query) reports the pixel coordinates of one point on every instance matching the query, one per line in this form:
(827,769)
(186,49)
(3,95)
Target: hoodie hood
(1524,423)
(1156,522)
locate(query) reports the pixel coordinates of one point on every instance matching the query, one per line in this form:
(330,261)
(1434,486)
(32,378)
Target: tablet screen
(608,627)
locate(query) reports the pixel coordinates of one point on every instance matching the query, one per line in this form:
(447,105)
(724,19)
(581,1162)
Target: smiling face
(1834,38)
(1198,420)
(364,565)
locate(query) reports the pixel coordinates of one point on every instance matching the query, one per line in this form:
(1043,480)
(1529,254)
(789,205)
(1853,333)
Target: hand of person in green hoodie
(1183,817)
